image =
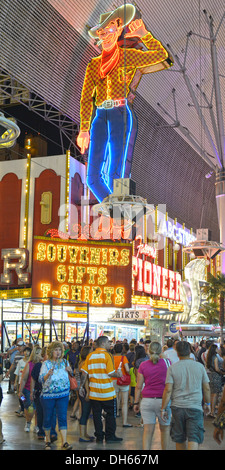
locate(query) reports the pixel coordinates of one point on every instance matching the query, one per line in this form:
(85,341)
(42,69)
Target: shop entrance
(43,321)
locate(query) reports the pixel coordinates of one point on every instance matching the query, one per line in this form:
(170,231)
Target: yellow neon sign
(94,272)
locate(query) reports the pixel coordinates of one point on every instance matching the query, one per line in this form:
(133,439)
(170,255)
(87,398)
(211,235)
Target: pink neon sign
(155,280)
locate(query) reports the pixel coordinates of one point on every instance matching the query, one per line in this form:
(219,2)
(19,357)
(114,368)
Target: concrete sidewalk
(17,439)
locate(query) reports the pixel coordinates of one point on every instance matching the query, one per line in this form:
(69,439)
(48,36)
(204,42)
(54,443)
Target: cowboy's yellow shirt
(116,84)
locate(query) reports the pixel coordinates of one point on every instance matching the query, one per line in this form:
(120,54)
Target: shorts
(187,423)
(151,409)
(122,388)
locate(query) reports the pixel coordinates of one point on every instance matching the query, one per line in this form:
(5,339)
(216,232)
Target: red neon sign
(155,280)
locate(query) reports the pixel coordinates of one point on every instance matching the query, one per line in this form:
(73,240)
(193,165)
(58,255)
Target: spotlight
(9,131)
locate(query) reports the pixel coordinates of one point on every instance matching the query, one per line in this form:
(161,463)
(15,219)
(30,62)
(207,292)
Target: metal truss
(217,124)
(11,91)
(185,131)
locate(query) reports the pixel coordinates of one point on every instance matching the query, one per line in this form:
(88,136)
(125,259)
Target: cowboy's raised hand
(137,29)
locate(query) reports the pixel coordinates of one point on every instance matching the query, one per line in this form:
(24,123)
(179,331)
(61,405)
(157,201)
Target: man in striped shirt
(99,369)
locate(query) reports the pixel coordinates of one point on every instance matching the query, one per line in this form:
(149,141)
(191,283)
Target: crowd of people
(175,385)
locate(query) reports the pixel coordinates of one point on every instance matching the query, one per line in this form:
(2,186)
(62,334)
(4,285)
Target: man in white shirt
(171,352)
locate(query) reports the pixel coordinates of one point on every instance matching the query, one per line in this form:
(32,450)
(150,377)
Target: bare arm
(216,366)
(165,399)
(138,389)
(32,384)
(117,374)
(24,378)
(206,392)
(83,379)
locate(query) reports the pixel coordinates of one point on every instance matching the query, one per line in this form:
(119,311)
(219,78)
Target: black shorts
(187,423)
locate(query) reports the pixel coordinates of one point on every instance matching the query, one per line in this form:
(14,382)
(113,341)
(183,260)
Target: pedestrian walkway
(17,439)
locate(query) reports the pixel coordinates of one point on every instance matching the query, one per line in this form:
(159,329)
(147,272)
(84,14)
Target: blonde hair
(52,346)
(34,354)
(155,350)
(43,351)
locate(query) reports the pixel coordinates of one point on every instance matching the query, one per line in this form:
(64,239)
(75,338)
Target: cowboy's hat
(126,13)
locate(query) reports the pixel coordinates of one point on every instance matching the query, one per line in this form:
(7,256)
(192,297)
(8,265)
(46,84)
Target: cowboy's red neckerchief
(109,60)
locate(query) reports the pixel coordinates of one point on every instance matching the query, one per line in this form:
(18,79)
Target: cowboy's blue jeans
(112,138)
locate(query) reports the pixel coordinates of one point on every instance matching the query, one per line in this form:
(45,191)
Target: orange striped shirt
(98,365)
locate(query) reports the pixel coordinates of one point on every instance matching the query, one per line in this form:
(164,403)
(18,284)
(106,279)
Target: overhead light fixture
(204,249)
(9,131)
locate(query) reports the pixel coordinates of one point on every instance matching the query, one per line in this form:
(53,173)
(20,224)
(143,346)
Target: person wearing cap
(110,83)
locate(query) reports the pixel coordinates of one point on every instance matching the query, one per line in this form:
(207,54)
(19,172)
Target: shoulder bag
(125,379)
(73,382)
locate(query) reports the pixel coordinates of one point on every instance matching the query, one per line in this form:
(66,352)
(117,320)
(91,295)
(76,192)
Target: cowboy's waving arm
(155,54)
(137,29)
(86,109)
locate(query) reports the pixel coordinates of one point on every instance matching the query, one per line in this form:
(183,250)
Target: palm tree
(209,312)
(215,291)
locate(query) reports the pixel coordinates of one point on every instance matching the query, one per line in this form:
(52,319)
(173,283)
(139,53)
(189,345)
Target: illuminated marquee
(94,272)
(151,279)
(155,280)
(175,233)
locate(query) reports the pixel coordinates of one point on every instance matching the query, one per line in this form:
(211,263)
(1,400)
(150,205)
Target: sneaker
(114,439)
(27,427)
(36,429)
(48,446)
(67,446)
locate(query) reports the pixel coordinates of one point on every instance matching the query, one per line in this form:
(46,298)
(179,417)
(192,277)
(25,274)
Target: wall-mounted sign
(175,232)
(151,279)
(94,272)
(15,267)
(130,315)
(15,294)
(155,280)
(173,328)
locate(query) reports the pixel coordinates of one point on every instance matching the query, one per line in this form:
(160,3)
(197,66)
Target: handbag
(125,379)
(73,382)
(72,379)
